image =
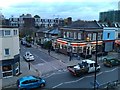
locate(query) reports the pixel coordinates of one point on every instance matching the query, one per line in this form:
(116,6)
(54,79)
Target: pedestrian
(49,51)
(70,56)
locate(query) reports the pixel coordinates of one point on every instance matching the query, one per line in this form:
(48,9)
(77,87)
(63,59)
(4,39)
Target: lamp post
(96,61)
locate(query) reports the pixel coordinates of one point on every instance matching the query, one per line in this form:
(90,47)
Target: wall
(112,32)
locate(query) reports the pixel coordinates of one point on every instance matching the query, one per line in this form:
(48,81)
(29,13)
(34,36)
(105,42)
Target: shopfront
(10,67)
(77,47)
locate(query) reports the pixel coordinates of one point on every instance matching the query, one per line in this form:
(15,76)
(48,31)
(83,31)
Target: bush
(47,45)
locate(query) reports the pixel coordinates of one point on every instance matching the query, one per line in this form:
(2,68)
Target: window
(15,32)
(108,35)
(89,35)
(7,51)
(7,68)
(91,65)
(6,74)
(79,35)
(1,33)
(118,35)
(94,36)
(99,36)
(7,32)
(75,37)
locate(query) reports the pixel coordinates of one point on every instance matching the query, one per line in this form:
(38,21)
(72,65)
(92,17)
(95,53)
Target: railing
(109,85)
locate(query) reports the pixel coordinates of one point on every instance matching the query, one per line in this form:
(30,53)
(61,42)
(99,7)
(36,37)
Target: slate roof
(54,31)
(84,24)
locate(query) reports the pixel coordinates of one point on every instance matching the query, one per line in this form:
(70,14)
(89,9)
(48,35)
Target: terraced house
(9,51)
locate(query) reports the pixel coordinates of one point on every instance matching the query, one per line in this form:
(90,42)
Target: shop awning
(117,42)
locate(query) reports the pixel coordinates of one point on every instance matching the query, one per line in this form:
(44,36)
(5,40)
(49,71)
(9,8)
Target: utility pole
(96,61)
(29,65)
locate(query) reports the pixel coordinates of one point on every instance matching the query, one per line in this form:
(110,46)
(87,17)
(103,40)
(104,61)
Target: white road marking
(82,78)
(57,85)
(111,70)
(49,75)
(74,81)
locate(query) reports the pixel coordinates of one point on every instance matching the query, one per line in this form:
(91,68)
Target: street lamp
(96,61)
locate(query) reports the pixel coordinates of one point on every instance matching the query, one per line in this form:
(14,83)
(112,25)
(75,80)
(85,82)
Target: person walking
(49,51)
(70,56)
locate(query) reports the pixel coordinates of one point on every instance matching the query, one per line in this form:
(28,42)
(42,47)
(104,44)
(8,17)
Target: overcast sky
(77,9)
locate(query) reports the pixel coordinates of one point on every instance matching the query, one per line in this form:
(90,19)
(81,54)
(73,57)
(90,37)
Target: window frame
(5,52)
(6,32)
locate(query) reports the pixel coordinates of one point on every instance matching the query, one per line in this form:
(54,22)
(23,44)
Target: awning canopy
(117,42)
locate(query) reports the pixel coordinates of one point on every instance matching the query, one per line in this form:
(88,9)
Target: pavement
(64,59)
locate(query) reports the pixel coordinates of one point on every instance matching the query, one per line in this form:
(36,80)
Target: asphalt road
(40,57)
(66,80)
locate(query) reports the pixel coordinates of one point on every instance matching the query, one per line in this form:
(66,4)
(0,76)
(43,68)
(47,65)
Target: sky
(77,9)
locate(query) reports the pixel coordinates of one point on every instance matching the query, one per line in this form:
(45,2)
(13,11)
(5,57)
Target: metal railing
(112,85)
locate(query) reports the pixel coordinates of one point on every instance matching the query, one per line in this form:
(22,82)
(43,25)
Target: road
(44,63)
(66,80)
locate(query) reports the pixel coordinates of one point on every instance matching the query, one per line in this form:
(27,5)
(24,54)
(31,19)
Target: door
(91,67)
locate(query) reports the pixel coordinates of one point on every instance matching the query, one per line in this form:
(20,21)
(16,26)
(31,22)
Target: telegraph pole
(96,61)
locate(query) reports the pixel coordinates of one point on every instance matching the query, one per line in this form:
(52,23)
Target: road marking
(49,75)
(57,85)
(82,78)
(111,70)
(74,81)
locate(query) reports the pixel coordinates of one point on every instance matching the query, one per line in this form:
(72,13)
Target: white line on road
(40,58)
(82,78)
(57,85)
(111,70)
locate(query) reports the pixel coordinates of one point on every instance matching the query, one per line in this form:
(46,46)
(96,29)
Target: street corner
(0,84)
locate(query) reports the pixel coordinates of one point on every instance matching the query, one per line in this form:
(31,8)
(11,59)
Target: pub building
(79,39)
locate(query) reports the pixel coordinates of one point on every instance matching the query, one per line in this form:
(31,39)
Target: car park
(30,82)
(28,56)
(109,62)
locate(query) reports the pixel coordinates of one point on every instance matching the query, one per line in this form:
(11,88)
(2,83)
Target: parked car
(111,62)
(23,42)
(102,54)
(30,82)
(28,45)
(28,56)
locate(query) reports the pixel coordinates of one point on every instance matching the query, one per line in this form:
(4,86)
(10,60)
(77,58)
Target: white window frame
(5,52)
(94,36)
(5,31)
(79,35)
(15,32)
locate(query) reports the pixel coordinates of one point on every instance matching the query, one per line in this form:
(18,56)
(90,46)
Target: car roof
(26,78)
(88,61)
(28,52)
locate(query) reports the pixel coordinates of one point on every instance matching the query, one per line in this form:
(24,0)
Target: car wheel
(42,85)
(110,65)
(98,70)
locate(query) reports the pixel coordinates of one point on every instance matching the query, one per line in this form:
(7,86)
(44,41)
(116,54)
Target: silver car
(28,57)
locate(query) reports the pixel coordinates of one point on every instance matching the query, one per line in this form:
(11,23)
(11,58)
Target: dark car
(23,42)
(111,62)
(102,54)
(28,45)
(30,82)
